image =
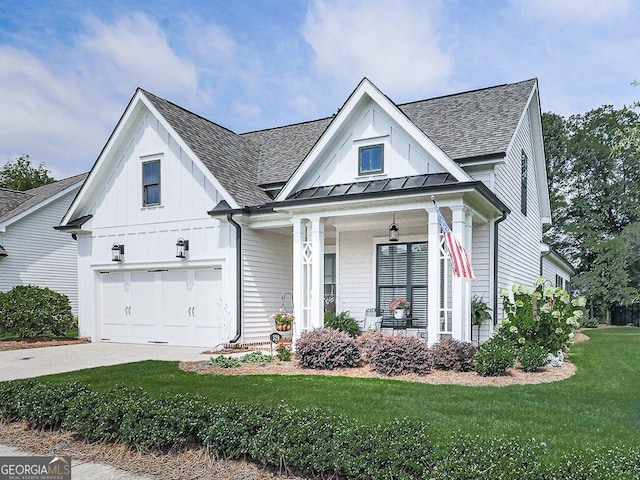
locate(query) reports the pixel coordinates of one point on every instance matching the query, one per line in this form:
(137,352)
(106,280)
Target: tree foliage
(593,163)
(19,174)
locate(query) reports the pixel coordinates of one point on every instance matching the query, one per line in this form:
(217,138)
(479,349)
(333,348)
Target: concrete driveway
(34,362)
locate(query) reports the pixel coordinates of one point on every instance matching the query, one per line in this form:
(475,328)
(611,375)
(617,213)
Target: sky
(68,68)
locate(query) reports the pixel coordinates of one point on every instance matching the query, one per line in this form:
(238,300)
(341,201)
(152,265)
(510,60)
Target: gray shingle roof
(13,203)
(231,158)
(465,125)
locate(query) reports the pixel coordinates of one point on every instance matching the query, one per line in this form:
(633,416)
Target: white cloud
(395,44)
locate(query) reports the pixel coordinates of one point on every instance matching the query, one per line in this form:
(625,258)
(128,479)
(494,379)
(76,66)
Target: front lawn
(598,407)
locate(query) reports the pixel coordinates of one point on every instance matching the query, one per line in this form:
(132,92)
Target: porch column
(316,319)
(461,315)
(433,276)
(298,290)
(468,245)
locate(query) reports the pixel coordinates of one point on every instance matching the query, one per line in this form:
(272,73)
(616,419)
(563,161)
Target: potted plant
(283,320)
(399,307)
(480,312)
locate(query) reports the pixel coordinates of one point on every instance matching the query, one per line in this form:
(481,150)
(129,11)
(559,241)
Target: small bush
(454,355)
(531,357)
(589,322)
(283,350)
(27,311)
(495,357)
(366,342)
(225,362)
(326,349)
(395,355)
(342,322)
(256,357)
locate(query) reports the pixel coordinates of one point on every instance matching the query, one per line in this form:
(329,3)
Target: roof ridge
(146,92)
(449,95)
(11,190)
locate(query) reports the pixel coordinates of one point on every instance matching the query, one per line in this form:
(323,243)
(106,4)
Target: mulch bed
(19,344)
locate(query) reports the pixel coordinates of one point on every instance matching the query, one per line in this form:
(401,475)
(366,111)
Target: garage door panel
(113,312)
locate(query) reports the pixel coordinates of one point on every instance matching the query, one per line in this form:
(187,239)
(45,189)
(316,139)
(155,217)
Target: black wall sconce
(117,252)
(394,231)
(182,248)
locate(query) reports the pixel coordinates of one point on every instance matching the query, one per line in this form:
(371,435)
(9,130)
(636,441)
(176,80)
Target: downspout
(495,266)
(238,277)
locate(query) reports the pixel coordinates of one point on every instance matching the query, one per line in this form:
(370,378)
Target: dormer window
(371,159)
(151,183)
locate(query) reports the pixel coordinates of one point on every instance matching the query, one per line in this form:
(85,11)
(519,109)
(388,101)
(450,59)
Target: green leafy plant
(283,351)
(28,311)
(342,322)
(495,357)
(256,357)
(480,311)
(531,357)
(225,362)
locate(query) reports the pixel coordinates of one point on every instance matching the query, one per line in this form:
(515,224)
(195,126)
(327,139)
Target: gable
(369,118)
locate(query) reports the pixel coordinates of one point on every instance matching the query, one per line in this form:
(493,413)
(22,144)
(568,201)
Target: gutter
(238,277)
(495,266)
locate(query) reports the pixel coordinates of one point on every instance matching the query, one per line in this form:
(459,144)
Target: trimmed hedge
(28,311)
(310,442)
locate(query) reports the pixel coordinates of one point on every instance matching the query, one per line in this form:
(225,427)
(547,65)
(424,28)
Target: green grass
(598,407)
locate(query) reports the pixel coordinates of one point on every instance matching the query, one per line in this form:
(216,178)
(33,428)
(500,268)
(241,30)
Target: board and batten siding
(370,125)
(40,255)
(356,276)
(267,260)
(519,235)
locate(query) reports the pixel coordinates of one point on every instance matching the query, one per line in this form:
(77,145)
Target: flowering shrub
(531,357)
(395,355)
(326,349)
(367,341)
(454,355)
(398,302)
(283,350)
(544,315)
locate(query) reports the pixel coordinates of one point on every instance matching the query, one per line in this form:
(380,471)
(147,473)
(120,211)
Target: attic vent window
(371,159)
(151,183)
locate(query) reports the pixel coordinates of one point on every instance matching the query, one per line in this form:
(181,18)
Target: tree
(20,175)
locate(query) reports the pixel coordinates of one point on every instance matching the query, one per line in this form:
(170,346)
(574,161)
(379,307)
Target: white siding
(355,261)
(481,260)
(267,275)
(552,266)
(40,255)
(149,234)
(519,235)
(370,125)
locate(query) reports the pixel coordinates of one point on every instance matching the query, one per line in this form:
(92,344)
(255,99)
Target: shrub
(395,355)
(28,311)
(326,348)
(342,322)
(590,322)
(256,357)
(225,362)
(454,355)
(543,315)
(366,342)
(495,357)
(283,350)
(531,357)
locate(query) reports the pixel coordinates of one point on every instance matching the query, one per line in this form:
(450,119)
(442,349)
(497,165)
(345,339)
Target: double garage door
(175,307)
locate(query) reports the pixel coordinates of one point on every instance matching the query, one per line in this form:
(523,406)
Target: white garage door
(175,307)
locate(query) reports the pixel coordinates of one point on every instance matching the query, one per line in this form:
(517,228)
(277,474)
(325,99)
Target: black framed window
(151,183)
(371,159)
(402,271)
(524,182)
(329,282)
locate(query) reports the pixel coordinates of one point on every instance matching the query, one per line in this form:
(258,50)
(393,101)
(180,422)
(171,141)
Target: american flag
(459,258)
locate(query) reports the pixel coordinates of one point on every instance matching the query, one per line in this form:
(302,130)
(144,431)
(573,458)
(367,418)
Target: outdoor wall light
(182,248)
(117,252)
(394,231)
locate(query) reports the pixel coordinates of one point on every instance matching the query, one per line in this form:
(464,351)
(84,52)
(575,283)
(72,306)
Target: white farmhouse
(191,234)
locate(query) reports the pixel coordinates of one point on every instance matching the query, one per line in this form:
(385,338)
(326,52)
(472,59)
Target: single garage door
(175,307)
